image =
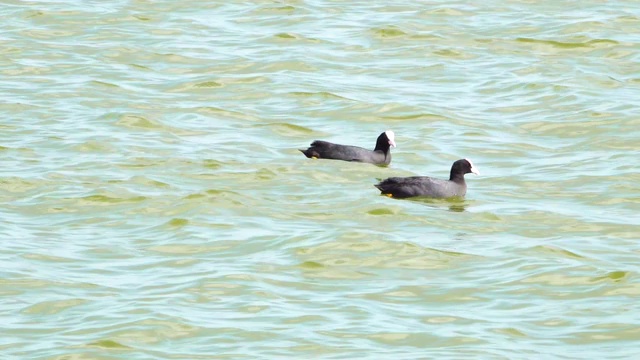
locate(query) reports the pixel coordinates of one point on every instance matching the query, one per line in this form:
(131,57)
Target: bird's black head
(385,140)
(461,167)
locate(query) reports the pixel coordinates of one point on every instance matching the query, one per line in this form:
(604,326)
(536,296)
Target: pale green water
(154,205)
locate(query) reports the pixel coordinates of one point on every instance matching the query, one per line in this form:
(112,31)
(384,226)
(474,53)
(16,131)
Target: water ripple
(155,204)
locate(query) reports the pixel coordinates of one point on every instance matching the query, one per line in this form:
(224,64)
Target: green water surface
(154,205)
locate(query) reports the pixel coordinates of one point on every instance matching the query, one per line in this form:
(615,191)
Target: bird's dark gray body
(381,155)
(405,187)
(326,150)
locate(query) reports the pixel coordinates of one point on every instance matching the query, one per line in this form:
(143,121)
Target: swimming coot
(404,187)
(381,155)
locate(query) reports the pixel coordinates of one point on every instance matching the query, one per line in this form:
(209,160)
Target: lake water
(154,204)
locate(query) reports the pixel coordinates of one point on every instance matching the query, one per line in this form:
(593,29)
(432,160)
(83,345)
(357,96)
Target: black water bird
(381,155)
(405,187)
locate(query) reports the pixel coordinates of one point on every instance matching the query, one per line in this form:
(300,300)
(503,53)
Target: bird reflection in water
(455,204)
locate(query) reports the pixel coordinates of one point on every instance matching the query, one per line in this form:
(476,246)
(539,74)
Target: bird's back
(403,187)
(326,150)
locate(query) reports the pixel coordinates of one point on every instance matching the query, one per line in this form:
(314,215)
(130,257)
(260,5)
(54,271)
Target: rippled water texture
(155,205)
